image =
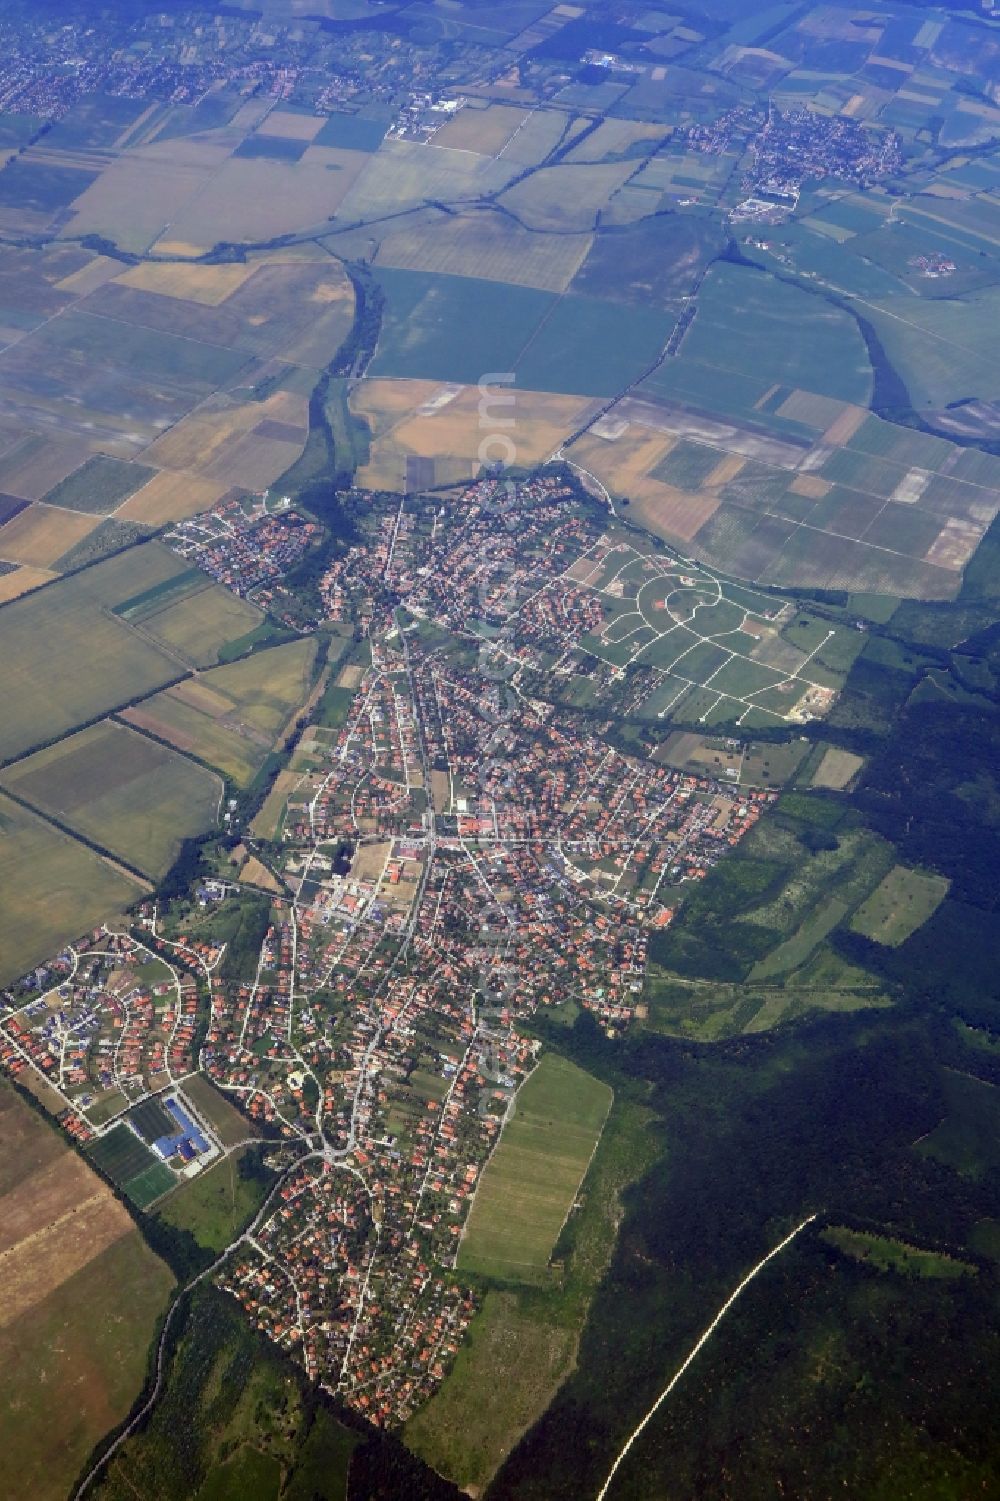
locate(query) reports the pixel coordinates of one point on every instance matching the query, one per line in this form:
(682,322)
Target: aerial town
(456,856)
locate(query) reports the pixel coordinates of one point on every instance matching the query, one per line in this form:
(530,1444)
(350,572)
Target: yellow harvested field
(292,127)
(836,769)
(20,581)
(843,428)
(812,486)
(485,131)
(672,513)
(622,463)
(256,199)
(253,461)
(727,469)
(256,874)
(88,278)
(425,420)
(170,496)
(209,285)
(268,820)
(52,1224)
(41,534)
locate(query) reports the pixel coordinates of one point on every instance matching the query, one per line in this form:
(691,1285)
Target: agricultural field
(442,427)
(54,889)
(83,1296)
(229,717)
(65,659)
(535,1173)
(122,791)
(900,905)
(826,498)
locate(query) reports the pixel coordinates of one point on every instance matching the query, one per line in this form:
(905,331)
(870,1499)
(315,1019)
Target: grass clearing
(900,904)
(217,1203)
(529,1185)
(886,1253)
(968,1139)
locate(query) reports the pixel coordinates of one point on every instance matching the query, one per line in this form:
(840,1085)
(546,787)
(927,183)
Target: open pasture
(230,716)
(142,190)
(34,464)
(83,1296)
(901,904)
(653,262)
(215,1205)
(565,197)
(123,791)
(529,1185)
(53,889)
(756,325)
(201,624)
(453,328)
(403,174)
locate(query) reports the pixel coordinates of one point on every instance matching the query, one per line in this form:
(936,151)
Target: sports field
(529,1186)
(900,904)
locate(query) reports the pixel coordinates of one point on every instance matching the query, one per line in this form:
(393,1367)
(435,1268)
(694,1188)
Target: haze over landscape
(500,750)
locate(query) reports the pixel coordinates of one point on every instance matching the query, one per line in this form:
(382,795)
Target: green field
(121,790)
(64,660)
(218,1203)
(54,888)
(227,1122)
(900,905)
(99,486)
(453,328)
(755,325)
(530,1183)
(201,626)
